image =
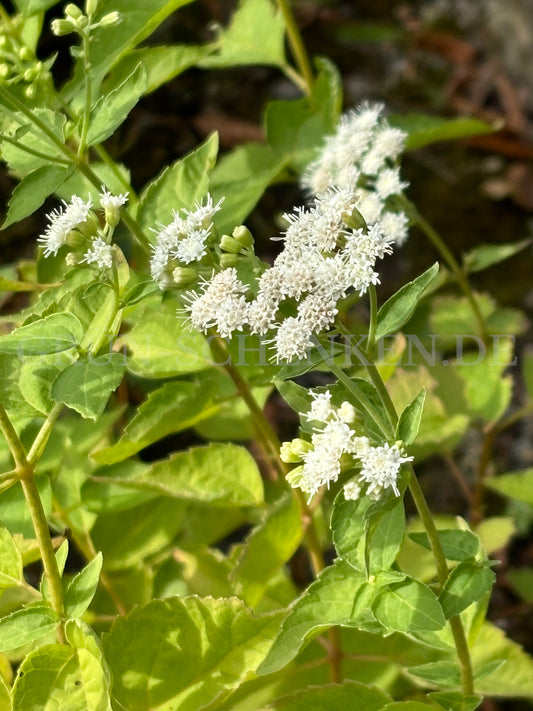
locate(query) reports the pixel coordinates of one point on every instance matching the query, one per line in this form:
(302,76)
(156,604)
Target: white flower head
(381,466)
(62,221)
(99,253)
(108,201)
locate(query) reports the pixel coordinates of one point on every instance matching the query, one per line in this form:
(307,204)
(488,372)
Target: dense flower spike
(325,456)
(61,223)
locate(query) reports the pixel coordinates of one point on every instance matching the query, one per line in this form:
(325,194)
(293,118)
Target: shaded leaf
(52,334)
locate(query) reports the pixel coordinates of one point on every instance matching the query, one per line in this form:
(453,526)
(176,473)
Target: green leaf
(457,545)
(112,110)
(496,532)
(82,588)
(161,64)
(32,7)
(164,642)
(52,334)
(397,310)
(410,419)
(485,255)
(35,379)
(455,701)
(514,677)
(443,673)
(241,177)
(333,697)
(515,485)
(384,537)
(422,130)
(222,474)
(295,129)
(521,580)
(238,44)
(14,285)
(86,385)
(5,696)
(27,625)
(60,677)
(20,161)
(172,408)
(180,185)
(33,190)
(409,706)
(10,561)
(467,583)
(340,596)
(267,548)
(408,607)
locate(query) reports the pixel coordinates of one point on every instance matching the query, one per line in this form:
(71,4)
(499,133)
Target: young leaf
(423,129)
(10,561)
(82,588)
(162,641)
(410,419)
(408,607)
(112,110)
(457,545)
(86,385)
(485,255)
(33,190)
(52,334)
(26,625)
(61,677)
(400,307)
(182,184)
(467,583)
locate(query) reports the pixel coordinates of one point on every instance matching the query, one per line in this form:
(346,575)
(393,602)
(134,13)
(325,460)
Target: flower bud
(73,12)
(91,6)
(291,452)
(356,221)
(295,476)
(4,70)
(62,27)
(243,235)
(111,19)
(229,244)
(184,276)
(228,260)
(71,260)
(25,54)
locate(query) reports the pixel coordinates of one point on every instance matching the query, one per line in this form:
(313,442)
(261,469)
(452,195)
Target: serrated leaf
(52,334)
(333,697)
(223,474)
(400,307)
(455,701)
(467,583)
(182,184)
(82,588)
(422,129)
(410,419)
(86,385)
(443,673)
(408,607)
(60,677)
(340,596)
(112,110)
(20,161)
(457,545)
(10,561)
(514,677)
(174,668)
(27,625)
(238,43)
(515,485)
(33,190)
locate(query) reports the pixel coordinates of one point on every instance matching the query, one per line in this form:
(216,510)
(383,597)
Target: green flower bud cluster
(18,63)
(75,20)
(239,244)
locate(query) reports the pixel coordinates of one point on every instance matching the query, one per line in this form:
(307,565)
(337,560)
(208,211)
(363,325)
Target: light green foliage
(410,419)
(333,697)
(52,334)
(422,129)
(10,561)
(516,485)
(32,136)
(485,255)
(409,606)
(164,641)
(466,584)
(33,190)
(82,587)
(29,624)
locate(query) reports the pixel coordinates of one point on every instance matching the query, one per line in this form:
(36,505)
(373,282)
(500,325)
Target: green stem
(297,46)
(373,321)
(88,95)
(13,441)
(39,443)
(450,260)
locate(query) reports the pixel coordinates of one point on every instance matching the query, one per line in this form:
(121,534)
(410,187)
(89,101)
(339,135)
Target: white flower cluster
(76,225)
(323,458)
(363,153)
(183,240)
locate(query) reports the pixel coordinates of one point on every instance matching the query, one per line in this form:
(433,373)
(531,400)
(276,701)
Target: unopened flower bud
(291,452)
(229,244)
(355,220)
(73,12)
(184,276)
(295,476)
(25,54)
(228,260)
(243,235)
(71,260)
(4,69)
(62,27)
(346,412)
(111,19)
(90,6)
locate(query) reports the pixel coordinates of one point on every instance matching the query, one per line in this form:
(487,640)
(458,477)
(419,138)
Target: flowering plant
(170,575)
